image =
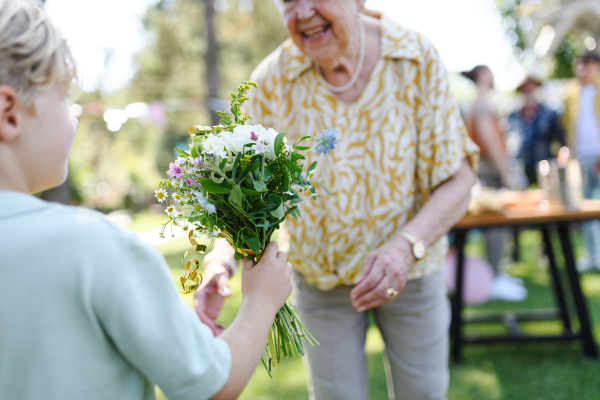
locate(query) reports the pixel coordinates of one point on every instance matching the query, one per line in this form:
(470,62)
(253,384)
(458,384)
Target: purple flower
(174,171)
(189,181)
(197,161)
(253,136)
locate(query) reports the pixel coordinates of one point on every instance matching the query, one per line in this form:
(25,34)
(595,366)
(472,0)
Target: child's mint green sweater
(87,311)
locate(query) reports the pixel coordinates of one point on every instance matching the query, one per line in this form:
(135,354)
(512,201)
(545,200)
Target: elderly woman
(400,177)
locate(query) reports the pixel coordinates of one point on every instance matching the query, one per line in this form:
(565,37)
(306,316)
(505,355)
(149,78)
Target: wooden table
(558,218)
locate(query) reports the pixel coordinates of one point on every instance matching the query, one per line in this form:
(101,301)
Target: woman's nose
(304,9)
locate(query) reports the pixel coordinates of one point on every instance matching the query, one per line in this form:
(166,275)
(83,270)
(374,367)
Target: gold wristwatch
(418,247)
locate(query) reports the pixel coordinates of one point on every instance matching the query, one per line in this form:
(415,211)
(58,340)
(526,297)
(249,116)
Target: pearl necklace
(361,59)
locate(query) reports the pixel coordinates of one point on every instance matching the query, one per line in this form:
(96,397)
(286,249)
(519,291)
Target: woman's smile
(316,33)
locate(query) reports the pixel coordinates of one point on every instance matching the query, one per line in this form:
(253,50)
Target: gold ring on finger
(392,293)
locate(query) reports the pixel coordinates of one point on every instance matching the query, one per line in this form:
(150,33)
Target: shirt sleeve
(442,139)
(158,333)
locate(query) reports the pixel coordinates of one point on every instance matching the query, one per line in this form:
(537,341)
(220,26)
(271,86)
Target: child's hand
(267,284)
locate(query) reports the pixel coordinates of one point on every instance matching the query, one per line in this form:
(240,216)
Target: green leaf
(278,212)
(271,224)
(274,199)
(249,168)
(312,167)
(291,211)
(296,200)
(236,163)
(301,148)
(278,143)
(297,156)
(301,140)
(213,187)
(185,153)
(222,164)
(293,167)
(268,172)
(264,209)
(325,189)
(251,240)
(194,152)
(250,192)
(236,197)
(259,186)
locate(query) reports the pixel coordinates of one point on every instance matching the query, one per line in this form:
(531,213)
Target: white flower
(185,228)
(210,208)
(180,161)
(177,197)
(201,198)
(170,210)
(288,192)
(161,194)
(259,148)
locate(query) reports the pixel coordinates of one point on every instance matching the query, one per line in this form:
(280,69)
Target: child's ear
(10,117)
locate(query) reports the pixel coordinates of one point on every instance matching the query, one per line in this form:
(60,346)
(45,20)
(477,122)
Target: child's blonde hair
(33,54)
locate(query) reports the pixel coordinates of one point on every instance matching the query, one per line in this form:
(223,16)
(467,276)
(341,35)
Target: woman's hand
(209,298)
(385,268)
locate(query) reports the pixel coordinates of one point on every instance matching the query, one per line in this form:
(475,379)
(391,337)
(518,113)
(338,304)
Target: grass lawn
(501,371)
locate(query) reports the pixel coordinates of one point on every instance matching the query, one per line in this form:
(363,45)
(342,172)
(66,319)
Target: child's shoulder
(60,226)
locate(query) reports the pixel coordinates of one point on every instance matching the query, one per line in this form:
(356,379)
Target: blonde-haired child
(87,311)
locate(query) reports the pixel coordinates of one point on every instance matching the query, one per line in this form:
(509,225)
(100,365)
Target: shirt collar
(14,203)
(397,42)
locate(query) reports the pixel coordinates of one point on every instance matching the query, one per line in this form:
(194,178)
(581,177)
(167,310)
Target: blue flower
(326,141)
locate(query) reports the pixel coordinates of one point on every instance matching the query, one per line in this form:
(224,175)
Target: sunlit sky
(466,33)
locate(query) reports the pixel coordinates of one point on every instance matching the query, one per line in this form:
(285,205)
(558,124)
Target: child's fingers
(271,250)
(247,264)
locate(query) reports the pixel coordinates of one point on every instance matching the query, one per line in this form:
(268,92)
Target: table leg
(558,289)
(516,254)
(460,238)
(589,346)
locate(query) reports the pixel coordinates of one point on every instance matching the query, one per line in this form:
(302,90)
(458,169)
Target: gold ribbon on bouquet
(245,252)
(190,270)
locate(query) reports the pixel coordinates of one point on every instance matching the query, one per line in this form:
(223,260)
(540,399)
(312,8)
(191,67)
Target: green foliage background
(564,57)
(170,67)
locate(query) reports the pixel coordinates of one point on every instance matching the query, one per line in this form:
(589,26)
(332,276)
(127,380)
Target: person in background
(484,128)
(582,123)
(539,127)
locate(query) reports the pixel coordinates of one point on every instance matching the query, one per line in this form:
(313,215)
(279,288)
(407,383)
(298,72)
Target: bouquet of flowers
(238,183)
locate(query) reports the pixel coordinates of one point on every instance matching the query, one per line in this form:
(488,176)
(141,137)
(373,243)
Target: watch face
(418,250)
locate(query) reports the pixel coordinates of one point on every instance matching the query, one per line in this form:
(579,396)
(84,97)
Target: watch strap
(411,239)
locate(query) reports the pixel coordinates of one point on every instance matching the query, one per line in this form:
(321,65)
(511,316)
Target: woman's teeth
(315,32)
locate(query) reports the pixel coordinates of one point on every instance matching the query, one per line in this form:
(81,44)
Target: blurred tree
(522,31)
(111,170)
(179,57)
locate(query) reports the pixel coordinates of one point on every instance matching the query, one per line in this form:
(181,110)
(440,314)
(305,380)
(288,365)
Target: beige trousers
(414,328)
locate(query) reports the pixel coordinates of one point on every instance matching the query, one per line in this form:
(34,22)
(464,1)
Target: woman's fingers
(200,307)
(223,285)
(370,281)
(369,260)
(375,297)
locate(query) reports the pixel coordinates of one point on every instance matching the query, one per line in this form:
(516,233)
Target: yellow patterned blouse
(400,139)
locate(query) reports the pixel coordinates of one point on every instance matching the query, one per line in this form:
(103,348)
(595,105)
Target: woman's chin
(322,55)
